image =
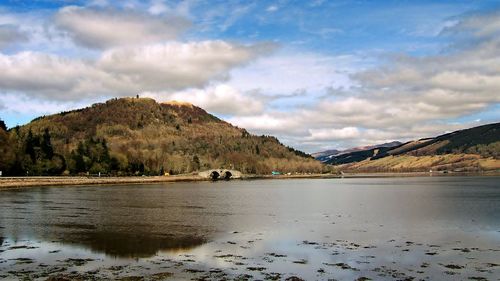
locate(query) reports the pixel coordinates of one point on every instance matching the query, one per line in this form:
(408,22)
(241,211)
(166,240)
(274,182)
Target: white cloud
(106,27)
(124,71)
(480,25)
(333,134)
(284,73)
(268,123)
(220,99)
(22,104)
(158,7)
(236,11)
(407,98)
(176,66)
(48,76)
(272,8)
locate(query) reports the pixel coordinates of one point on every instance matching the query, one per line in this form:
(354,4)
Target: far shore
(16,182)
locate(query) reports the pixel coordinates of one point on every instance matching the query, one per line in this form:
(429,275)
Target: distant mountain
(464,149)
(140,136)
(327,155)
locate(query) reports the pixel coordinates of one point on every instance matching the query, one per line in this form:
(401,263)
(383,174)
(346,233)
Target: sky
(317,74)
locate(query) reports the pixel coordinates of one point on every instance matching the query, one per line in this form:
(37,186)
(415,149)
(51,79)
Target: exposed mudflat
(348,229)
(12,182)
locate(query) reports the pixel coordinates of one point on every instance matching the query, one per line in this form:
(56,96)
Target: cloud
(284,73)
(482,25)
(49,76)
(272,8)
(334,134)
(124,71)
(10,35)
(405,98)
(268,123)
(308,99)
(237,11)
(103,28)
(157,7)
(176,66)
(22,104)
(220,99)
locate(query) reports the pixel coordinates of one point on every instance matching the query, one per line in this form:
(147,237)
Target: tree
(30,144)
(2,125)
(79,163)
(8,152)
(46,145)
(196,163)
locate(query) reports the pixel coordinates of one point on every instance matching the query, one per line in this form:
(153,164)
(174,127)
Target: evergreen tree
(2,125)
(46,145)
(79,163)
(30,144)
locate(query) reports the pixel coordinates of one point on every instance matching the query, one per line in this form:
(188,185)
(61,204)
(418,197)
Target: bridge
(220,174)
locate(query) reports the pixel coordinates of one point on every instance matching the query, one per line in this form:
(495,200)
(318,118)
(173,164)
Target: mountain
(476,148)
(132,136)
(327,155)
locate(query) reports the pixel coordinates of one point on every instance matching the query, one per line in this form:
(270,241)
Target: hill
(325,156)
(476,148)
(131,136)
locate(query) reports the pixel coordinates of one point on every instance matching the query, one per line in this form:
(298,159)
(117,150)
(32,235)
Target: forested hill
(132,136)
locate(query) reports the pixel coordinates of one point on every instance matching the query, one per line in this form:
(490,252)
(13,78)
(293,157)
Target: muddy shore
(13,182)
(16,182)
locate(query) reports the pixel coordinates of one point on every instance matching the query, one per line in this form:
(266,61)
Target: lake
(436,228)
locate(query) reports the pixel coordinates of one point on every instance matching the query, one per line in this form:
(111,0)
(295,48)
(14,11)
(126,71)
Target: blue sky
(317,74)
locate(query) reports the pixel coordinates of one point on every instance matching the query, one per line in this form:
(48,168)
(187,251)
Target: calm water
(445,228)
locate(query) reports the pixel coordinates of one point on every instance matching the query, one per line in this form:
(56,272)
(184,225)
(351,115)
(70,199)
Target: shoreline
(20,182)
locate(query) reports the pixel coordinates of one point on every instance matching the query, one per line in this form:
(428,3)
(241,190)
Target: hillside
(131,136)
(325,156)
(471,149)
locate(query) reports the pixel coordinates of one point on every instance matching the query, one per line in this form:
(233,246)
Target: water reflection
(347,228)
(137,245)
(120,221)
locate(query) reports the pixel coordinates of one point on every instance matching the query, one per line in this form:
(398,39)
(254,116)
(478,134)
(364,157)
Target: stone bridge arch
(220,174)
